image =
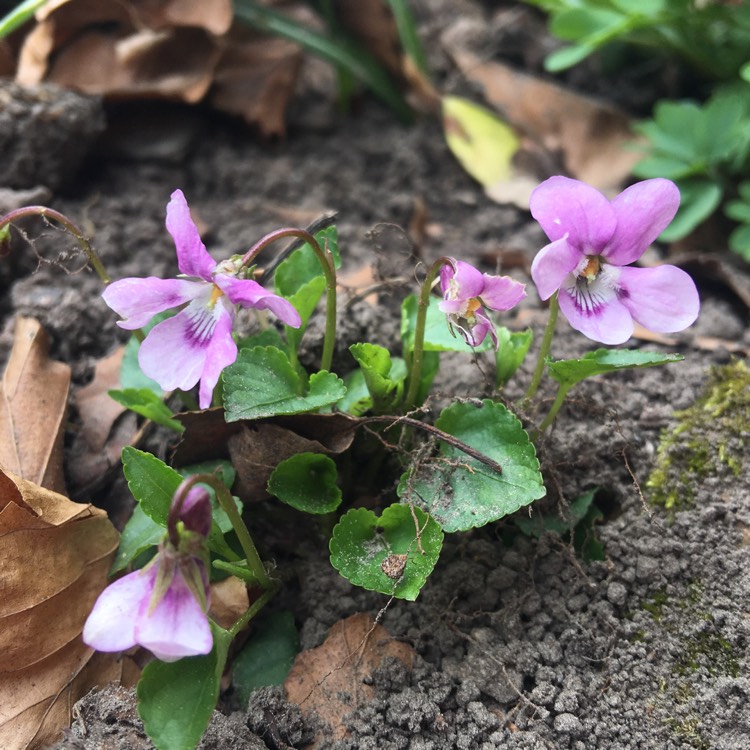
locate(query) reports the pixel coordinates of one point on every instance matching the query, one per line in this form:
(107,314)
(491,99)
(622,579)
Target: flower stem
(415,373)
(253,610)
(67,224)
(562,392)
(325,257)
(554,309)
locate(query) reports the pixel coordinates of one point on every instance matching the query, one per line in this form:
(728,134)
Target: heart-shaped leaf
(307,482)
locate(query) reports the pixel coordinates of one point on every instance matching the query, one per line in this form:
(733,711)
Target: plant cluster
(478,464)
(702,142)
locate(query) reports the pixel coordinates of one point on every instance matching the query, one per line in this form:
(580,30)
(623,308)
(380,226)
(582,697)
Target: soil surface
(518,643)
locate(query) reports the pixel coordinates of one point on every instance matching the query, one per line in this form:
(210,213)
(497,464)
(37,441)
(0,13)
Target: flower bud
(195,512)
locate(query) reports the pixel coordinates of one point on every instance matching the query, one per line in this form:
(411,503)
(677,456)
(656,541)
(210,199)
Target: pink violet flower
(163,606)
(467,291)
(592,242)
(196,344)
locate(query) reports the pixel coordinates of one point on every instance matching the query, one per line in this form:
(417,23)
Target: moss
(711,651)
(689,731)
(709,440)
(655,605)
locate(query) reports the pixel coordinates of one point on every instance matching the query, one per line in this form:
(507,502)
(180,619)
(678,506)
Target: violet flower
(196,344)
(163,606)
(467,291)
(592,242)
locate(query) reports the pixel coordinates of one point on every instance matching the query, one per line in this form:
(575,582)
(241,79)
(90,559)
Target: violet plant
(478,464)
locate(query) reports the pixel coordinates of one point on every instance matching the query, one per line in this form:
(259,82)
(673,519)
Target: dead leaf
(255,78)
(33,405)
(229,601)
(332,680)
(593,137)
(56,555)
(106,426)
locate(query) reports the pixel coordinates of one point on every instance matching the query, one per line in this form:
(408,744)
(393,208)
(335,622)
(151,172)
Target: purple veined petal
(192,257)
(138,300)
(447,271)
(174,351)
(111,625)
(569,207)
(221,352)
(553,264)
(643,211)
(597,314)
(250,293)
(467,281)
(177,626)
(662,299)
(502,292)
(482,327)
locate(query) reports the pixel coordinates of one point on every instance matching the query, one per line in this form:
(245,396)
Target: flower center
(216,294)
(591,270)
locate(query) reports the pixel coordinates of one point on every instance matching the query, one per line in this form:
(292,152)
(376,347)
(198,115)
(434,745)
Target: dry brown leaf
(56,555)
(106,426)
(331,680)
(255,78)
(123,50)
(229,601)
(33,404)
(592,136)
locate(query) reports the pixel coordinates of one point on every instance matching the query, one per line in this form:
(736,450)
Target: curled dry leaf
(136,48)
(593,137)
(56,554)
(33,405)
(332,680)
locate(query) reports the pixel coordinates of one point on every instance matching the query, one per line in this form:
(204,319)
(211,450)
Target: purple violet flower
(196,344)
(467,291)
(592,242)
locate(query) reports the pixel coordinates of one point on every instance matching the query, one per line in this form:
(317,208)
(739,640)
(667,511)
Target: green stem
(418,349)
(325,257)
(254,563)
(51,214)
(562,392)
(253,610)
(554,309)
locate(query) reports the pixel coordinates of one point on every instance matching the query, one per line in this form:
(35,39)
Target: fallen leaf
(229,601)
(56,555)
(106,426)
(33,405)
(255,78)
(480,140)
(332,680)
(593,137)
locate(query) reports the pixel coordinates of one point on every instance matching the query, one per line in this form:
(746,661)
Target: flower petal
(222,351)
(250,293)
(569,207)
(501,292)
(174,351)
(662,299)
(138,300)
(111,624)
(552,266)
(177,626)
(466,283)
(192,257)
(643,212)
(596,313)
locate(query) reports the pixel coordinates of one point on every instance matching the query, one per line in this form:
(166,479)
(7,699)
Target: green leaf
(139,534)
(362,543)
(148,404)
(267,658)
(302,266)
(558,524)
(578,23)
(357,399)
(700,198)
(739,241)
(461,492)
(384,376)
(567,57)
(266,337)
(480,140)
(151,482)
(176,699)
(437,336)
(307,482)
(263,383)
(18,16)
(511,352)
(568,372)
